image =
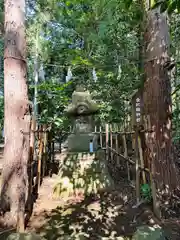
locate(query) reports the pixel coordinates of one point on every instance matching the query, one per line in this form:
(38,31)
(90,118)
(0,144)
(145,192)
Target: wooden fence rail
(126,147)
(40,157)
(119,155)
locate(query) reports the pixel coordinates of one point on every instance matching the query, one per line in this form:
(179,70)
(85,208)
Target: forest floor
(107,215)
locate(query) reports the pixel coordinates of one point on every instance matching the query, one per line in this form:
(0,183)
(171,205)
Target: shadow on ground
(104,216)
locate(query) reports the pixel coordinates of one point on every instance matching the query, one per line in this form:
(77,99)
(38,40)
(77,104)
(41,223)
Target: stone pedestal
(82,174)
(79,142)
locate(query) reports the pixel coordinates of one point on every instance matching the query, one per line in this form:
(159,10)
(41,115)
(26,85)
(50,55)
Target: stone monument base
(80,142)
(82,174)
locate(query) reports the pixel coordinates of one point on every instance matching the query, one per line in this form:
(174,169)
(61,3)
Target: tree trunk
(17,119)
(158,106)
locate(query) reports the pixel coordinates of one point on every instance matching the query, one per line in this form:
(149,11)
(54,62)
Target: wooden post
(60,141)
(44,149)
(111,140)
(53,152)
(126,154)
(49,145)
(107,156)
(31,159)
(40,158)
(141,158)
(95,129)
(117,150)
(107,140)
(137,169)
(100,129)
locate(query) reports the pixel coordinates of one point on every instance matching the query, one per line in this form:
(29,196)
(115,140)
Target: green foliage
(101,35)
(52,100)
(149,233)
(146,192)
(96,34)
(168,5)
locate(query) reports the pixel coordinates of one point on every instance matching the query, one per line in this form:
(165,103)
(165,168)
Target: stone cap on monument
(82,103)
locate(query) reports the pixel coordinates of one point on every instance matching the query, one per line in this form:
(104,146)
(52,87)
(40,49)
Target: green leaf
(164,7)
(128,3)
(171,8)
(178,6)
(157,4)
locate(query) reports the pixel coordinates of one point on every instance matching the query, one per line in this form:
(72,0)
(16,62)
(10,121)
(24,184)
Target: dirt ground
(106,215)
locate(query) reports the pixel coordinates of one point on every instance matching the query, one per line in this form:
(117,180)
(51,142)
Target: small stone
(151,221)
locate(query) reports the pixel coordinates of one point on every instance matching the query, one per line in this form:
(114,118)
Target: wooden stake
(111,140)
(44,150)
(107,155)
(107,140)
(101,144)
(117,150)
(30,161)
(141,158)
(137,169)
(40,159)
(126,155)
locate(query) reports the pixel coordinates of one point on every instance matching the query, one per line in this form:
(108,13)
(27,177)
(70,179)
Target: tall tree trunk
(17,119)
(158,106)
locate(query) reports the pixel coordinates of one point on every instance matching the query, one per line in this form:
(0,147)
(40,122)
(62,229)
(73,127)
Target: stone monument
(81,110)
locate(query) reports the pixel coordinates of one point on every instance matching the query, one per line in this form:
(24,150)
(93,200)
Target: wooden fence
(41,157)
(134,160)
(126,152)
(127,156)
(40,161)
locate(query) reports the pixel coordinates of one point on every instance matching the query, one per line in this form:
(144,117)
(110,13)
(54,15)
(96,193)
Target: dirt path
(107,215)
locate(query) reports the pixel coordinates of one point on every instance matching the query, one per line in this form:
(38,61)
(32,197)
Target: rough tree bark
(158,105)
(17,119)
